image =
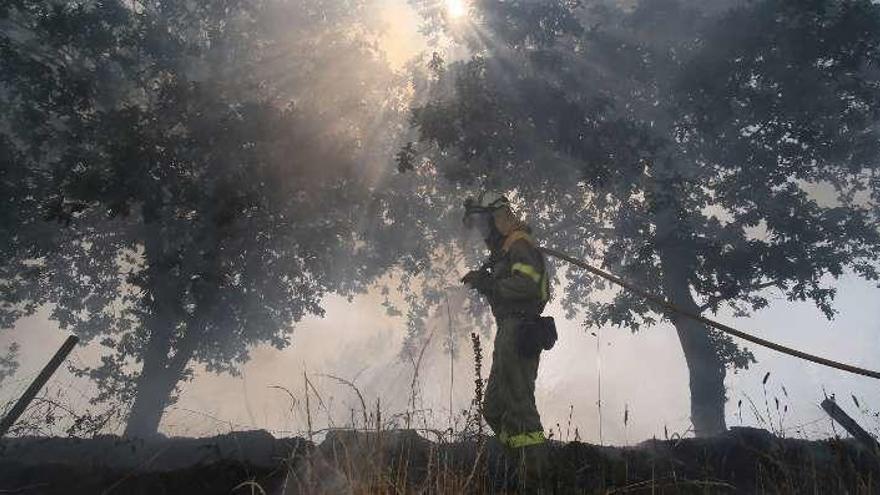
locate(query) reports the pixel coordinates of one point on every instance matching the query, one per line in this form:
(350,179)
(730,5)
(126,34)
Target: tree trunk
(167,355)
(154,387)
(149,405)
(705,368)
(161,373)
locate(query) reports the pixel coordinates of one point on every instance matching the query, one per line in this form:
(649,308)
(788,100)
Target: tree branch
(716,300)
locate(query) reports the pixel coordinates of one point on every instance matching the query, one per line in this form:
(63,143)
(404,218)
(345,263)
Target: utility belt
(535,333)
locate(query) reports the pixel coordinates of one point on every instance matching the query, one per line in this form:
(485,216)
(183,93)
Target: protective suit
(515,283)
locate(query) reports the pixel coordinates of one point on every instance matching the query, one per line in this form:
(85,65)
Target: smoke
(641,376)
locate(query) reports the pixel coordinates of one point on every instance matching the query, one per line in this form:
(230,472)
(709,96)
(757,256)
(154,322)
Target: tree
(205,166)
(679,146)
(9,362)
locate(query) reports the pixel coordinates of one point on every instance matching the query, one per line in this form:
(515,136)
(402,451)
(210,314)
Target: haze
(642,376)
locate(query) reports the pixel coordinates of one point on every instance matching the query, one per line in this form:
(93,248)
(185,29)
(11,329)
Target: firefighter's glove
(479,280)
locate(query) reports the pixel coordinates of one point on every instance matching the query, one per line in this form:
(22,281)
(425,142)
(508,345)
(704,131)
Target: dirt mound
(743,461)
(110,464)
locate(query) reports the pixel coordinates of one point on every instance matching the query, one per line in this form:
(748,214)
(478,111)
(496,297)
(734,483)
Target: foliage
(684,146)
(590,123)
(9,362)
(194,174)
(186,180)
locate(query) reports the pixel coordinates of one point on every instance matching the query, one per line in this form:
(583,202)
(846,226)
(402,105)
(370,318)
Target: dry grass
(373,454)
(375,458)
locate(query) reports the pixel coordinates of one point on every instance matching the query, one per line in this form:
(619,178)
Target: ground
(743,461)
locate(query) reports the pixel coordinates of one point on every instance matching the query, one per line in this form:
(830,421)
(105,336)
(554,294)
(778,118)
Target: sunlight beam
(456,9)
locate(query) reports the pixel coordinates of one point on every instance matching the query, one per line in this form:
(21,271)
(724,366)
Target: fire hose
(669,306)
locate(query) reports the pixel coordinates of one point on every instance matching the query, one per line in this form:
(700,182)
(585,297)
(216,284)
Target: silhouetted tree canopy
(186,179)
(687,147)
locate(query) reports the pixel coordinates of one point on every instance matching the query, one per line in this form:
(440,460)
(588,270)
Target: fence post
(850,425)
(37,384)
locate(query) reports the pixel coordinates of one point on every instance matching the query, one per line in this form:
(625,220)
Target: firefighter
(514,282)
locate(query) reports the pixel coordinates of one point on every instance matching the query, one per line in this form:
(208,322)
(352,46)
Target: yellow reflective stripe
(522,440)
(515,236)
(528,271)
(545,288)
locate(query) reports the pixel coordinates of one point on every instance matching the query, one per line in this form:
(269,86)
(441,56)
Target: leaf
(766,377)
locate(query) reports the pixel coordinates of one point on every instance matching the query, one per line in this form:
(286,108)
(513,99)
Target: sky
(641,373)
(401,39)
(642,377)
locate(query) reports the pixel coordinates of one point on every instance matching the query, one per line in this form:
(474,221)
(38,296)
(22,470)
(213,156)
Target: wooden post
(37,384)
(850,425)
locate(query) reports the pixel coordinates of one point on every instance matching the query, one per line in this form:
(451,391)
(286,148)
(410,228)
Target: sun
(456,9)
